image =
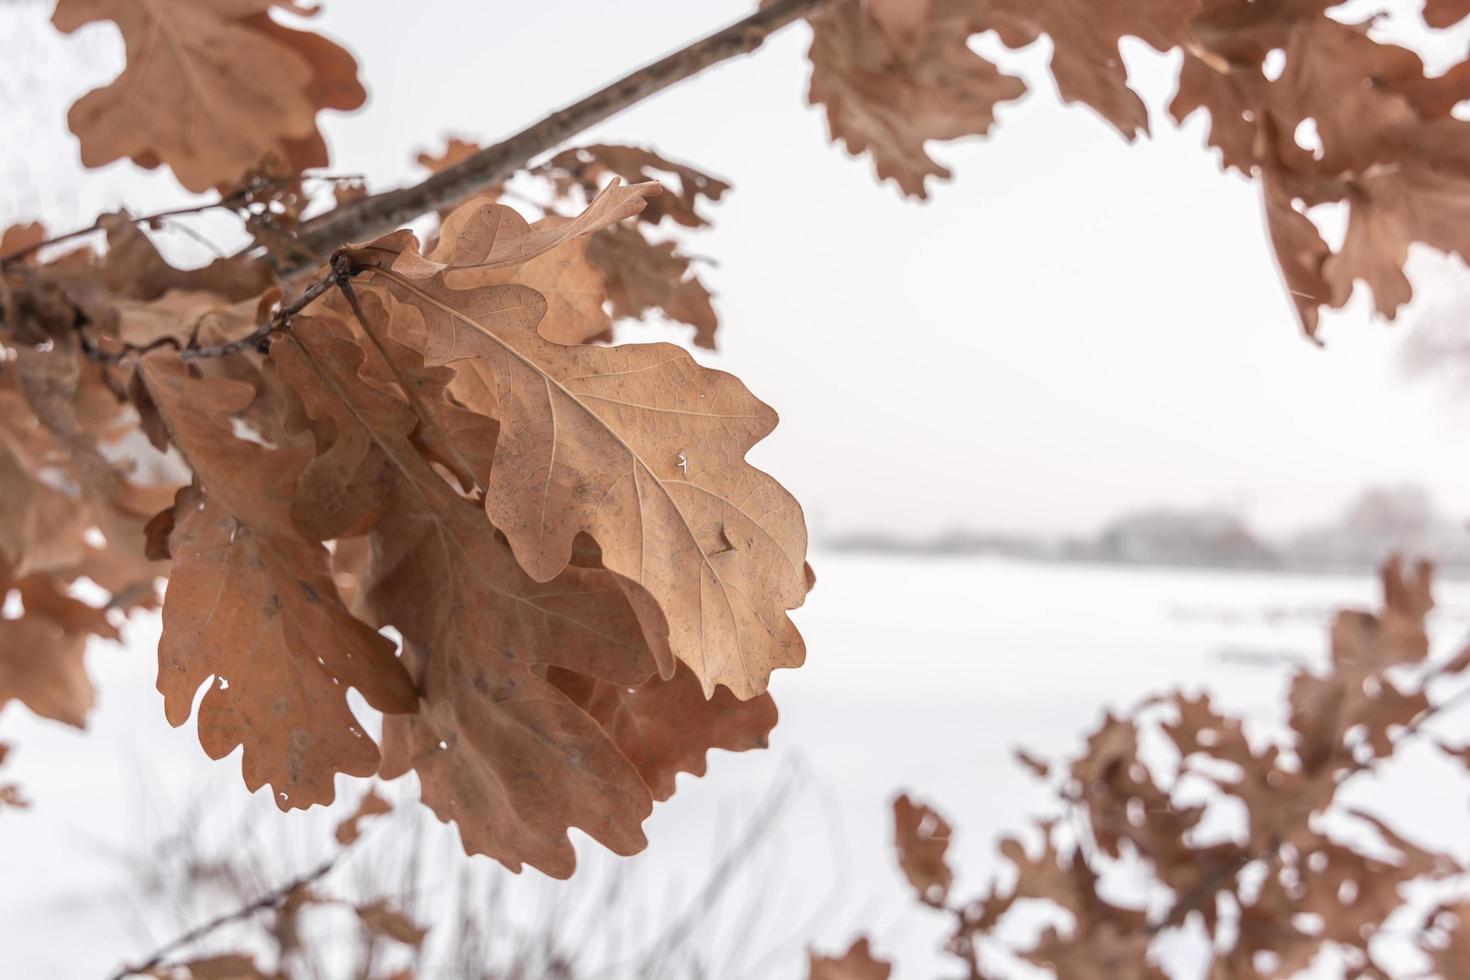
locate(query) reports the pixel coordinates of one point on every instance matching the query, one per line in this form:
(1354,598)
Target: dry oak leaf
(43,520)
(41,651)
(636,446)
(858,963)
(134,269)
(888,102)
(251,602)
(1387,212)
(372,804)
(71,398)
(666,727)
(1445,13)
(456,150)
(1108,951)
(21,238)
(642,276)
(588,165)
(498,749)
(572,286)
(226,966)
(1301,252)
(211,88)
(903,22)
(1085,60)
(381,918)
(921,838)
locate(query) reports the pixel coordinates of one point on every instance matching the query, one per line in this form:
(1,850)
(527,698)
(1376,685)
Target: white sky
(1071,327)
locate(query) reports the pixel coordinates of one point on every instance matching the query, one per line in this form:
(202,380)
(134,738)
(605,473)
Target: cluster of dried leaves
(1302,871)
(617,267)
(589,582)
(1342,118)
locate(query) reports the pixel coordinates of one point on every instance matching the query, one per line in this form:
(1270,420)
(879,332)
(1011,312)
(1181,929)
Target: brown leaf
(643,276)
(480,239)
(921,837)
(43,521)
(211,88)
(41,651)
(1037,767)
(132,268)
(666,727)
(251,602)
(227,966)
(1109,952)
(903,22)
(20,237)
(383,919)
(1085,61)
(498,749)
(371,805)
(1445,13)
(587,166)
(456,150)
(888,101)
(74,403)
(572,286)
(1300,250)
(637,446)
(858,963)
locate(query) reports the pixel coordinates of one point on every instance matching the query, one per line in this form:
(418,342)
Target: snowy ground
(922,675)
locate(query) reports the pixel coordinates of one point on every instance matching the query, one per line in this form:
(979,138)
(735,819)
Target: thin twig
(230,201)
(280,320)
(238,198)
(269,900)
(369,217)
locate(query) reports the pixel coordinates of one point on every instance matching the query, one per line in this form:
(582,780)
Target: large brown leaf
(251,602)
(41,651)
(889,100)
(498,749)
(636,446)
(212,88)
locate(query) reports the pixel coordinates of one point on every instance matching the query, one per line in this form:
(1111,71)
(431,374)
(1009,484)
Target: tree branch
(271,899)
(370,217)
(280,320)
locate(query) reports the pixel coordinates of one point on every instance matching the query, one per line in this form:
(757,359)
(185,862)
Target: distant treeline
(1400,519)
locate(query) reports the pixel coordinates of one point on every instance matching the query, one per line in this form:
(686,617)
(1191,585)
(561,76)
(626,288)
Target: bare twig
(370,217)
(238,198)
(280,320)
(231,201)
(270,900)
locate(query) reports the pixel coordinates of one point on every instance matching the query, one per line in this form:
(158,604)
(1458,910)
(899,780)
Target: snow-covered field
(922,675)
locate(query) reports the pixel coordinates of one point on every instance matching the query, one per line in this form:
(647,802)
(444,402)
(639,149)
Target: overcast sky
(1071,327)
